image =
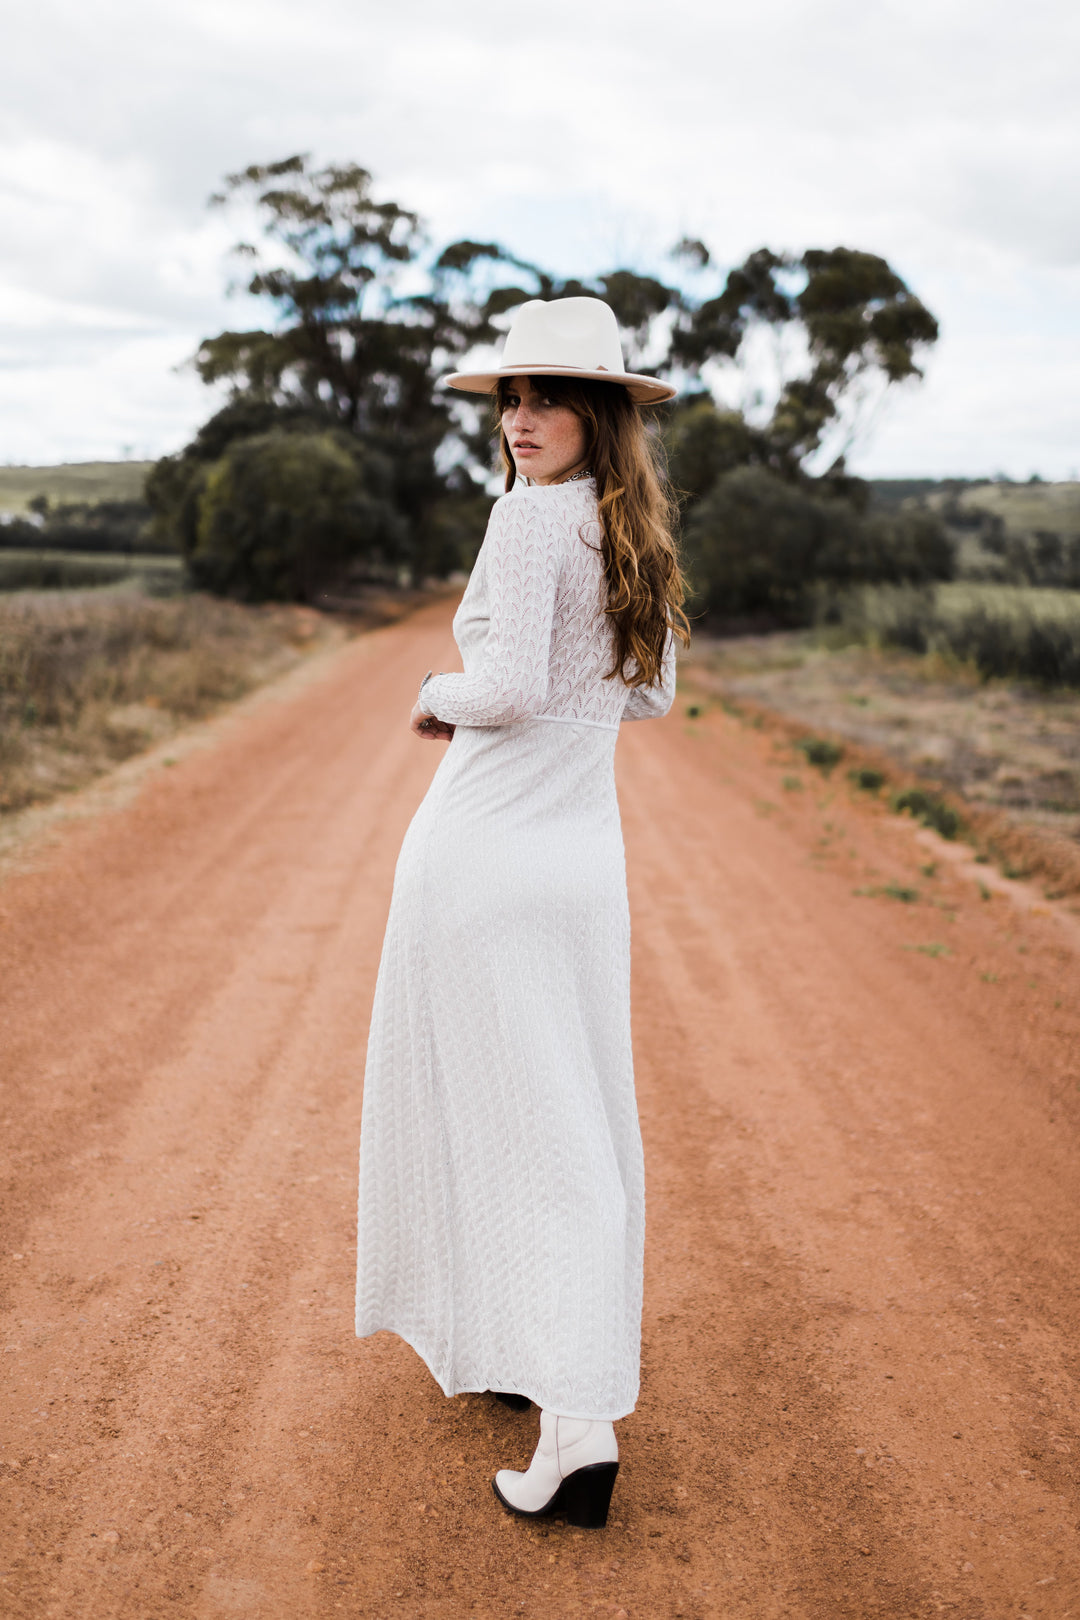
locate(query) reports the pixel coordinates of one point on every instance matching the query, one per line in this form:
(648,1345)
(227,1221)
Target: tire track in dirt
(859,1392)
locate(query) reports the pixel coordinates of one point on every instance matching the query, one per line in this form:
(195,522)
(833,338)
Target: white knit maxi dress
(501,1210)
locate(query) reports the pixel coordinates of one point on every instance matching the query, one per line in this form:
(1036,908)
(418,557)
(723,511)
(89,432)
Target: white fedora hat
(568,337)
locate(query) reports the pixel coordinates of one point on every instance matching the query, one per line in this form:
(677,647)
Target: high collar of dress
(587,475)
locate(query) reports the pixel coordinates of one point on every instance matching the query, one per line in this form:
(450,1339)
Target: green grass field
(72,481)
(25,570)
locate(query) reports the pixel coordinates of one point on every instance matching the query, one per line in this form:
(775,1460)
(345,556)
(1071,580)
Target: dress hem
(513,1386)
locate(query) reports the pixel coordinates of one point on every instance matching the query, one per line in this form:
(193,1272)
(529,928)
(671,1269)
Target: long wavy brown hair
(638,515)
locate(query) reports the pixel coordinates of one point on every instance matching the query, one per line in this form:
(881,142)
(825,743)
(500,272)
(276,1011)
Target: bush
(279,515)
(92,526)
(930,809)
(821,752)
(758,544)
(1001,631)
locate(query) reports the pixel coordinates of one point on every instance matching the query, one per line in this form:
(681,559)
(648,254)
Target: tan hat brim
(642,390)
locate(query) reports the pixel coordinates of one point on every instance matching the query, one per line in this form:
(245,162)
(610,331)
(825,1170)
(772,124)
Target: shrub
(930,809)
(282,513)
(867,779)
(821,752)
(1000,631)
(758,544)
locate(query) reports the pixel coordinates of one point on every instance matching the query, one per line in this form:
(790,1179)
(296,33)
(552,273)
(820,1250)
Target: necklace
(586,472)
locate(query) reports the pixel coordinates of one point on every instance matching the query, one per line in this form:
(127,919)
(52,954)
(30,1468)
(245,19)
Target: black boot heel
(584,1496)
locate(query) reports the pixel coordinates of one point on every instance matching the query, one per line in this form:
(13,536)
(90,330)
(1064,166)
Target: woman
(501,1211)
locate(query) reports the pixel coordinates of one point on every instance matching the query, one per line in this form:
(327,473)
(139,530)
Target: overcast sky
(943,134)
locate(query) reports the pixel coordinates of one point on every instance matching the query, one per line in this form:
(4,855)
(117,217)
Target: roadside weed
(892,891)
(930,809)
(820,752)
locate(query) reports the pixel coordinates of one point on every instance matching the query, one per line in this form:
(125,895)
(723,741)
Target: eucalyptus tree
(363,315)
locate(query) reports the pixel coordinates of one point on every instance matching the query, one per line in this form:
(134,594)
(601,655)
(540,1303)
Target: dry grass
(996,631)
(1006,755)
(89,678)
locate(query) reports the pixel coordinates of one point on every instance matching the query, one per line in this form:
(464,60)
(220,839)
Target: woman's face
(547,441)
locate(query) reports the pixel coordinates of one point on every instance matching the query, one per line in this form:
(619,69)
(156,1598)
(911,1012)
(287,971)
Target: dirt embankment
(861,1118)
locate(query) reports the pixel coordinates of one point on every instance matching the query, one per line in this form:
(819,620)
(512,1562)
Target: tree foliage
(281,513)
(756,544)
(363,317)
(855,322)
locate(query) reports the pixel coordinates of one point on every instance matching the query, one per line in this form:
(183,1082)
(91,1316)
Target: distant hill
(1021,508)
(1027,508)
(1012,534)
(893,492)
(72,481)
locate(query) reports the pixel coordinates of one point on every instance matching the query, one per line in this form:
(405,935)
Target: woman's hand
(428,727)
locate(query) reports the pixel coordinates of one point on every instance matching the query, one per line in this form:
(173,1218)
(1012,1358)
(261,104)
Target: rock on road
(861,1121)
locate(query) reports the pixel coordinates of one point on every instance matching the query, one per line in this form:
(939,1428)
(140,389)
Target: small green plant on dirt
(930,809)
(693,711)
(892,891)
(988,978)
(982,859)
(866,779)
(934,948)
(929,870)
(792,784)
(985,893)
(821,752)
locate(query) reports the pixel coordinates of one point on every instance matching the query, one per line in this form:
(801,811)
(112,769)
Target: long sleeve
(511,678)
(652,702)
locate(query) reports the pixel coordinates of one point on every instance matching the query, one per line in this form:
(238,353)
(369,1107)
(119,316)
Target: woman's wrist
(420,695)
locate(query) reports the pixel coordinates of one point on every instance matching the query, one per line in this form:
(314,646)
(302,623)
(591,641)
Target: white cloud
(940,133)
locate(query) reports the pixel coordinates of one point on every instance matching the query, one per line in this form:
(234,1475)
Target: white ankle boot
(572,1473)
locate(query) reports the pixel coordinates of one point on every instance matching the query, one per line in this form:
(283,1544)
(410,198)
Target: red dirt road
(861,1120)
